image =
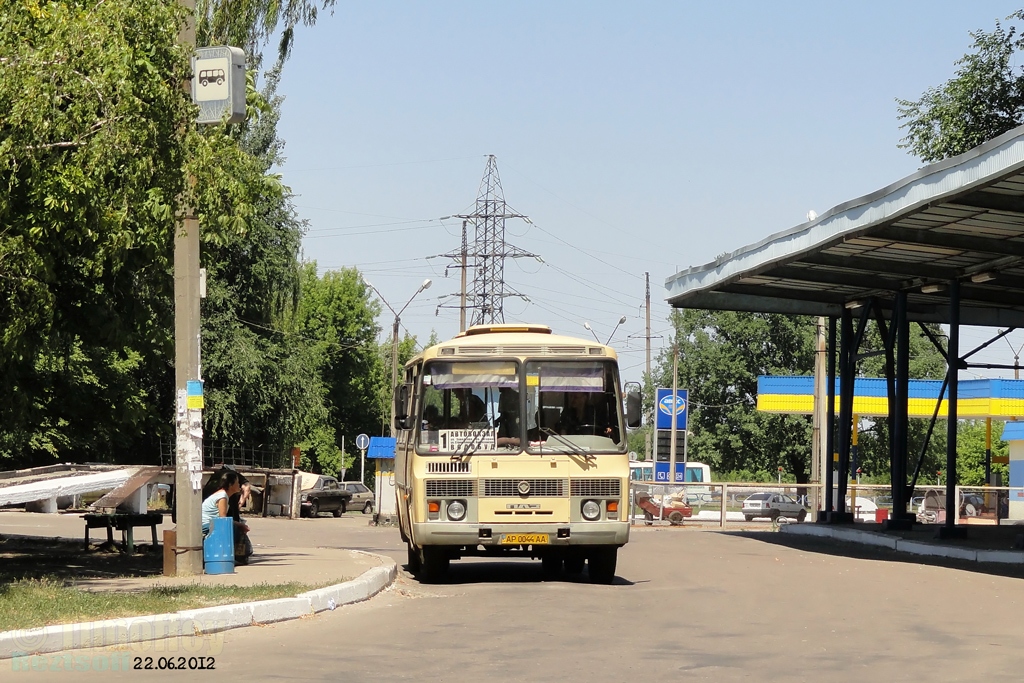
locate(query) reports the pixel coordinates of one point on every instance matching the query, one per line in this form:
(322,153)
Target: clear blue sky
(640,136)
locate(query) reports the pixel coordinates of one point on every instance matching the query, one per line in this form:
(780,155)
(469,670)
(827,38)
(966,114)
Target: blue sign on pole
(661,471)
(667,407)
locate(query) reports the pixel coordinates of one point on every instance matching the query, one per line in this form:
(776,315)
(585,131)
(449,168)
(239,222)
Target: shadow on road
(25,558)
(509,571)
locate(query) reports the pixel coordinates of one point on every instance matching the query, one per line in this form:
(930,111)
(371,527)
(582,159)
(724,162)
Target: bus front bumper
(473,534)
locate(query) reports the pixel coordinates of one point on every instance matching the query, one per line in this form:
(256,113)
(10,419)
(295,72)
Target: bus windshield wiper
(569,444)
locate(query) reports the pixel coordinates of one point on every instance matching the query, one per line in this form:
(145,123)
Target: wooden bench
(125,523)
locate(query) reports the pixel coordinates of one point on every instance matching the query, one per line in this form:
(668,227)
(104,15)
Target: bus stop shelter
(943,245)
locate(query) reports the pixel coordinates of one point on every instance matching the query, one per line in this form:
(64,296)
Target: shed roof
(958,219)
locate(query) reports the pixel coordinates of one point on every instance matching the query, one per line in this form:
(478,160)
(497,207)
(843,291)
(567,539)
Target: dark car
(326,495)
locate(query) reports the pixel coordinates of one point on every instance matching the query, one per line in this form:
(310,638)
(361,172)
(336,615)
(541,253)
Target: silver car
(773,505)
(362,497)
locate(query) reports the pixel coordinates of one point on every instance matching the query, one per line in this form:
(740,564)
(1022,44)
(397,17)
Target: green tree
(721,354)
(970,452)
(249,24)
(336,315)
(91,154)
(985,98)
(95,143)
(263,385)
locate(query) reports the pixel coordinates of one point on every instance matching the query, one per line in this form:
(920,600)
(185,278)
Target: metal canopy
(960,219)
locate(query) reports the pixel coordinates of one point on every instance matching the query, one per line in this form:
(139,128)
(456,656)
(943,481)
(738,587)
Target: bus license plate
(524,539)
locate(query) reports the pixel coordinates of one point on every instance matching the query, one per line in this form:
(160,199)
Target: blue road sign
(681,409)
(661,471)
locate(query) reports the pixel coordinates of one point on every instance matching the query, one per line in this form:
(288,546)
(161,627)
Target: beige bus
(512,441)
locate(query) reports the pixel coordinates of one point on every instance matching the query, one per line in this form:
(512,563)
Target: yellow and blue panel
(979,398)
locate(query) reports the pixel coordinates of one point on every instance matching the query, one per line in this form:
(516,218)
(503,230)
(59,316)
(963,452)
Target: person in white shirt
(216,504)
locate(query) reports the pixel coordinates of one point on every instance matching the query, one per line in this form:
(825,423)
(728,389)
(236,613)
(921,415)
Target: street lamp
(587,325)
(616,329)
(394,341)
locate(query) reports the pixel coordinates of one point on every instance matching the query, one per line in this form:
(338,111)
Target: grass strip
(43,602)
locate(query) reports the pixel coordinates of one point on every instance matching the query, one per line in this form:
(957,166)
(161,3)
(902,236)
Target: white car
(773,505)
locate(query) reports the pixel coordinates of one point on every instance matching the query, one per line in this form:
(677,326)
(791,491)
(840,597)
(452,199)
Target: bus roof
(516,340)
(509,328)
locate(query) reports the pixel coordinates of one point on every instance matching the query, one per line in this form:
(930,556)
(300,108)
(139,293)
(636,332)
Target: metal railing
(217,453)
(721,503)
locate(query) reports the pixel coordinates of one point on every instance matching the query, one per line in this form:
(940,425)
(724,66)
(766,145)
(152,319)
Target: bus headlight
(591,510)
(456,510)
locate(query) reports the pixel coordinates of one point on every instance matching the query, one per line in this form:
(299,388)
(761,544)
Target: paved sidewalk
(986,544)
(314,567)
(338,576)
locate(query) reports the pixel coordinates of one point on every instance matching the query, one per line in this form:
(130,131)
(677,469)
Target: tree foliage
(985,98)
(262,384)
(97,139)
(250,23)
(970,451)
(336,316)
(91,157)
(721,354)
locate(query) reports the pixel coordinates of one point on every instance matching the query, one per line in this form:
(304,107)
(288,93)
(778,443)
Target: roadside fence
(722,503)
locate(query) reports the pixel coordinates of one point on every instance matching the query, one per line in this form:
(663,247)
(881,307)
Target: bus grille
(596,488)
(451,488)
(539,488)
(449,467)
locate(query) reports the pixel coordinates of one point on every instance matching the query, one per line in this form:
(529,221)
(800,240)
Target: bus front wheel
(434,562)
(601,565)
(413,560)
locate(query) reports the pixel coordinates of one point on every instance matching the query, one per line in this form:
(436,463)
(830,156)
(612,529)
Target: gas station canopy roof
(960,219)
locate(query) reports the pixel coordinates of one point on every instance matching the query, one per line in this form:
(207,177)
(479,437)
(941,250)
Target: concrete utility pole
(649,451)
(672,436)
(187,496)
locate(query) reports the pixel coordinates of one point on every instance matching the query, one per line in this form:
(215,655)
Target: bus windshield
(470,407)
(572,405)
(475,407)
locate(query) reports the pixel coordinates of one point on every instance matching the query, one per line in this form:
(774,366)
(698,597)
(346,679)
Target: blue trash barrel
(219,547)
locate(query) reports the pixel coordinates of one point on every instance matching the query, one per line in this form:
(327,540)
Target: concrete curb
(196,622)
(904,546)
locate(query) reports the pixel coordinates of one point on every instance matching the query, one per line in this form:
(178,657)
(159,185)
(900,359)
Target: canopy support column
(949,529)
(900,424)
(830,422)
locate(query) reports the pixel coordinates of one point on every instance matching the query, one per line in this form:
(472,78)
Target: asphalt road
(687,605)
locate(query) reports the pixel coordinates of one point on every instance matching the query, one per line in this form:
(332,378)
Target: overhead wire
(568,203)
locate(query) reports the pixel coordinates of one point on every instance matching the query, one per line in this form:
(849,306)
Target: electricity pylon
(486,294)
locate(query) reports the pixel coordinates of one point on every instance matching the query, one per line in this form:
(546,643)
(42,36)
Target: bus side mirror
(401,401)
(633,405)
